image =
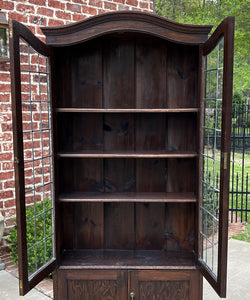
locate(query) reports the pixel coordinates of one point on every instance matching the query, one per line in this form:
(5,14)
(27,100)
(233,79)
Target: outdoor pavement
(238,278)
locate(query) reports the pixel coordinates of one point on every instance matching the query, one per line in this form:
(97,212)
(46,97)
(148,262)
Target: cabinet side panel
(63,73)
(67,221)
(179,227)
(182,70)
(150,73)
(118,73)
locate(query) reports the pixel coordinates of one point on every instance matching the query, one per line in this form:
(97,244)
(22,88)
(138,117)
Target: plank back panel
(182,70)
(150,132)
(118,73)
(179,227)
(118,132)
(181,132)
(119,226)
(150,73)
(80,132)
(89,225)
(87,75)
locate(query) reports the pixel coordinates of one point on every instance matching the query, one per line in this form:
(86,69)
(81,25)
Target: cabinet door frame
(17,32)
(63,275)
(192,276)
(224,30)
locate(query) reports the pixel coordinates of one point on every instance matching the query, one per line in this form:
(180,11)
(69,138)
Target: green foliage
(245,236)
(213,12)
(39,241)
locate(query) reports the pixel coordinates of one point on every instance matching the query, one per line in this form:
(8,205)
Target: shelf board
(127,154)
(128,110)
(127,259)
(129,197)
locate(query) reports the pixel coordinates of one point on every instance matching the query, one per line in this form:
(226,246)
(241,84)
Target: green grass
(245,236)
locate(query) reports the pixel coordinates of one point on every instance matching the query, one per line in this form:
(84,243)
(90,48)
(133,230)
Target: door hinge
(10,29)
(21,286)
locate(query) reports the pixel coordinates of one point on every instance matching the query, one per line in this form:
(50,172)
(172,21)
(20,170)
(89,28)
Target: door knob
(132,294)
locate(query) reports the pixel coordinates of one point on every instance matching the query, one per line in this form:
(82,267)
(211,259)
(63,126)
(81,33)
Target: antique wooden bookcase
(122,124)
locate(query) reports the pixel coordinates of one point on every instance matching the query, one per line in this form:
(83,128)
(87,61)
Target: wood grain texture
(128,259)
(179,231)
(87,76)
(162,285)
(150,226)
(182,78)
(89,285)
(150,74)
(125,21)
(118,73)
(119,226)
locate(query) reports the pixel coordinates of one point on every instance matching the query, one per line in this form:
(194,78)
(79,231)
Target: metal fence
(239,200)
(240,164)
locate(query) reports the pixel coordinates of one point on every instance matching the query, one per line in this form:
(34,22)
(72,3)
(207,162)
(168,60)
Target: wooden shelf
(127,110)
(127,154)
(129,197)
(127,259)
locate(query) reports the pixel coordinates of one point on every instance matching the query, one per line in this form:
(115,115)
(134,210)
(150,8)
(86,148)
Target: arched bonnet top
(126,21)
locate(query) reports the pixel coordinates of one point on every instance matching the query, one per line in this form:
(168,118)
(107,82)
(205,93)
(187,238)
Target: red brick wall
(36,13)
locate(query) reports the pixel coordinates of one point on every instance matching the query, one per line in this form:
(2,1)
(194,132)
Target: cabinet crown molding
(126,21)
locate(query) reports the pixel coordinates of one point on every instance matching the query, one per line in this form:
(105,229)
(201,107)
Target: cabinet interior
(127,144)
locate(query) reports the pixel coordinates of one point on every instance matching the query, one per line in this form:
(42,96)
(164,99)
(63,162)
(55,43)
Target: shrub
(39,240)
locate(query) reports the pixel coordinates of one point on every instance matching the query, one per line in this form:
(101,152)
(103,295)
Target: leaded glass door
(217,68)
(32,130)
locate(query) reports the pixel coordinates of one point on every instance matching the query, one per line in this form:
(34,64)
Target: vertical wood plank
(150,132)
(119,217)
(182,70)
(150,175)
(184,183)
(80,132)
(89,225)
(82,175)
(119,175)
(179,228)
(118,73)
(150,217)
(119,226)
(118,132)
(87,75)
(181,132)
(150,73)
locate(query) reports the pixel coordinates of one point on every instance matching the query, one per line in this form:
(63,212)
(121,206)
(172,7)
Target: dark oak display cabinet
(121,132)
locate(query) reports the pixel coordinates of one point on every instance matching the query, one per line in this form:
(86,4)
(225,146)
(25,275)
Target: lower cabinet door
(90,285)
(165,285)
(100,284)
